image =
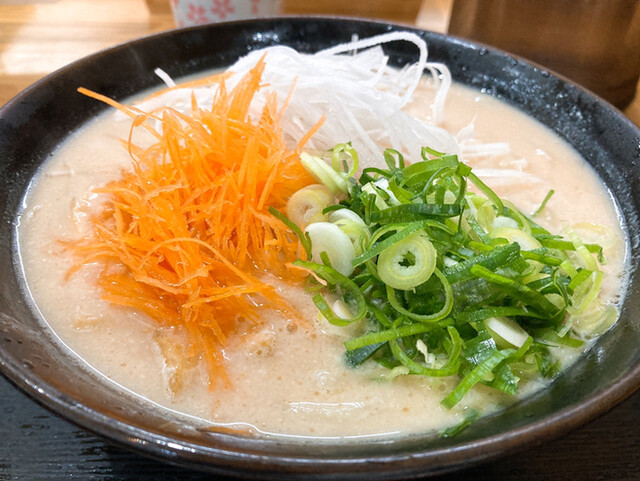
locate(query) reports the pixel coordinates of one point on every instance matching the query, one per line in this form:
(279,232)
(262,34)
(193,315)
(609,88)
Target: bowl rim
(198,456)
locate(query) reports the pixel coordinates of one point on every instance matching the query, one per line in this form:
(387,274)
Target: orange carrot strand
(186,235)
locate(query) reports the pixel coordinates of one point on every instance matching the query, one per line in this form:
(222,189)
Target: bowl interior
(36,121)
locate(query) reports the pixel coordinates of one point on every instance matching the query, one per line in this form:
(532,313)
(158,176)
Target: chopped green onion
(533,298)
(484,188)
(492,260)
(339,156)
(470,417)
(544,202)
(388,335)
(303,238)
(541,258)
(324,174)
(525,240)
(464,280)
(555,243)
(336,279)
(475,376)
(329,238)
(413,212)
(486,313)
(394,159)
(358,356)
(307,205)
(436,316)
(506,329)
(416,368)
(581,249)
(553,338)
(407,263)
(375,249)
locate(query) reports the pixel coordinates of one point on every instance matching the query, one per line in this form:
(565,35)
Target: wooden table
(39,36)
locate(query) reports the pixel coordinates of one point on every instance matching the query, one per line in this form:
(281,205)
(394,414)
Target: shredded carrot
(185,237)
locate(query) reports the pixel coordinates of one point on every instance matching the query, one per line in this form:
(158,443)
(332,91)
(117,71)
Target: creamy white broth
(288,380)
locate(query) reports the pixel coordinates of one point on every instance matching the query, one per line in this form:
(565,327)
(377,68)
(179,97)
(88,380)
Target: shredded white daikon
(508,177)
(470,148)
(165,77)
(361,96)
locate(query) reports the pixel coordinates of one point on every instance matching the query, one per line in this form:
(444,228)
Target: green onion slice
(464,278)
(324,173)
(336,279)
(340,156)
(436,316)
(476,375)
(407,263)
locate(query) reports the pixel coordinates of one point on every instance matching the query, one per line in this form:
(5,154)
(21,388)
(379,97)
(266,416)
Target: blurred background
(595,42)
(40,36)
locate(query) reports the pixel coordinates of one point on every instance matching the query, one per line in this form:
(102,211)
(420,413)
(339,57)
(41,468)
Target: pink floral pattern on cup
(222,8)
(197,12)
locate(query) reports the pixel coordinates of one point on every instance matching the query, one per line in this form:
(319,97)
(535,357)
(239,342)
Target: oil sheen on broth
(286,379)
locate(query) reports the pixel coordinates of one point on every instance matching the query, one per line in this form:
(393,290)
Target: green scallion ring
(407,263)
(436,316)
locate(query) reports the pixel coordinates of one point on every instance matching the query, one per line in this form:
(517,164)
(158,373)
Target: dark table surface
(37,445)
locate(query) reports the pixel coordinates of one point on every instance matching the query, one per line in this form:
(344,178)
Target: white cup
(197,12)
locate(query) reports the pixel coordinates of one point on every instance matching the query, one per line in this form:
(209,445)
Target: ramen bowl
(40,118)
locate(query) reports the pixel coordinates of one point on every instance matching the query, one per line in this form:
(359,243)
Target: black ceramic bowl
(36,121)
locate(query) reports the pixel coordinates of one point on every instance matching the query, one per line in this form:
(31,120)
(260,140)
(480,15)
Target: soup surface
(285,378)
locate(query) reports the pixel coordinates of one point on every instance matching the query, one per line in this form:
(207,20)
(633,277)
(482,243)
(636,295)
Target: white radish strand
(361,96)
(386,38)
(165,77)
